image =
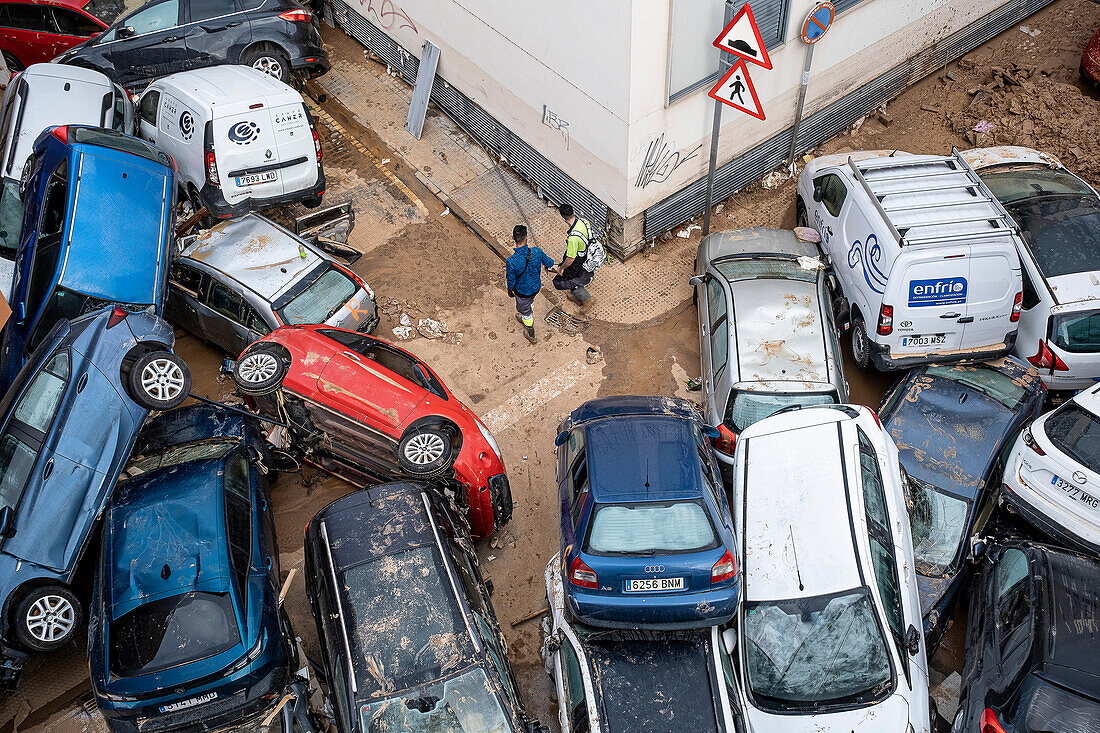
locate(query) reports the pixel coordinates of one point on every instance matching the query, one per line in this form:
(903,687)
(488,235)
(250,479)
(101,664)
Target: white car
(828,636)
(1053,475)
(610,680)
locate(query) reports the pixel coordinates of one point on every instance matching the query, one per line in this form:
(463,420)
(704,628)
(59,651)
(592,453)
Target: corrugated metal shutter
(771,17)
(475,121)
(842,5)
(823,124)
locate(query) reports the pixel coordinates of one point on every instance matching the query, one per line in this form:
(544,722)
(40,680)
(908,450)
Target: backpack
(595,254)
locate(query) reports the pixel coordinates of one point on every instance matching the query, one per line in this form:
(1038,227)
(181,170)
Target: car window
(149,104)
(224,301)
(578,485)
(657,527)
(874,498)
(54,202)
(573,682)
(321,298)
(39,403)
(719,335)
(238,524)
(71,23)
(340,692)
(236,479)
(1031,296)
(497,655)
(153,18)
(254,322)
(118,119)
(41,277)
(575,445)
(1075,432)
(186,278)
(385,356)
(882,557)
(460,561)
(204,9)
(1077,332)
(26,17)
(1013,599)
(16,461)
(1007,390)
(833,193)
(106,10)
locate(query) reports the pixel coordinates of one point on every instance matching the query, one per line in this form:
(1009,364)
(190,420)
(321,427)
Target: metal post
(725,61)
(801,102)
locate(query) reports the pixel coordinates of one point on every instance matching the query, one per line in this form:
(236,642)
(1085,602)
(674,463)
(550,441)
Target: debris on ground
(775,179)
(694,384)
(686,231)
(593,354)
(503,538)
(984,126)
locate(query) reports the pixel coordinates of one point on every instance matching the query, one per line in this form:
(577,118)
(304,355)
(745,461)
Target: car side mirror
(818,194)
(711,432)
(697,280)
(978,548)
(562,437)
(7,522)
(729,641)
(912,641)
(20,312)
(126,31)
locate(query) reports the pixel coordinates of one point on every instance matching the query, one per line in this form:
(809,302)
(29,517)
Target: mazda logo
(1079,477)
(654,568)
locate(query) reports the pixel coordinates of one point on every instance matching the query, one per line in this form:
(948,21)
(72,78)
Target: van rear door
(993,284)
(294,138)
(244,143)
(929,299)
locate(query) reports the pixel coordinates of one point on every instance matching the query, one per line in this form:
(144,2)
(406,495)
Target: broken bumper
(885,362)
(1041,521)
(216,204)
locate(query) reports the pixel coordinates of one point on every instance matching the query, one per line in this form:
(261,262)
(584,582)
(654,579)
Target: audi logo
(654,568)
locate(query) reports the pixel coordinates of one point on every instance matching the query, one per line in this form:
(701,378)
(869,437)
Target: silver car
(247,276)
(767,338)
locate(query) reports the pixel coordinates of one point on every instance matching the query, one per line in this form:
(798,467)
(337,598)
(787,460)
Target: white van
(242,140)
(925,256)
(41,96)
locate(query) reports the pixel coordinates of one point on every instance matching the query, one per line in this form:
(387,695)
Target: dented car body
(954,426)
(408,635)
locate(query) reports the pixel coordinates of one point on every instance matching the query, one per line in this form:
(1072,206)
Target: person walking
(571,273)
(524,270)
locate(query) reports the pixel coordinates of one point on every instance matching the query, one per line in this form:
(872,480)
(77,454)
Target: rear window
(321,298)
(120,142)
(650,527)
(178,454)
(1061,231)
(172,631)
(1076,432)
(991,383)
(1043,707)
(746,408)
(1077,333)
(764,267)
(106,10)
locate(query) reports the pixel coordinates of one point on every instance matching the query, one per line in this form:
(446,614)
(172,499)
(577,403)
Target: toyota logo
(1079,477)
(654,568)
(243,133)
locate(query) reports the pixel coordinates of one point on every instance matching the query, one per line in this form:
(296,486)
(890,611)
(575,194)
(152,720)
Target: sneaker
(529,332)
(581,295)
(519,318)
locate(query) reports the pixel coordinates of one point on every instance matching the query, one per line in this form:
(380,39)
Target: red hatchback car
(365,410)
(35,32)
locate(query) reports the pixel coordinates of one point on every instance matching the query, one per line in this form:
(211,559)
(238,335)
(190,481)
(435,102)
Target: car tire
(47,618)
(160,380)
(801,216)
(14,65)
(269,60)
(207,220)
(260,370)
(861,345)
(426,452)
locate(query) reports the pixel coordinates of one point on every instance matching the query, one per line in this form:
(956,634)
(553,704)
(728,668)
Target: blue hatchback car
(186,629)
(98,224)
(66,428)
(646,534)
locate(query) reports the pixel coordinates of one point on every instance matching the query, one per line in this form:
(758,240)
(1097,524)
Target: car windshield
(807,652)
(177,454)
(650,528)
(938,521)
(1013,184)
(11,218)
(748,407)
(466,703)
(172,631)
(1078,333)
(1060,231)
(106,10)
(989,382)
(70,304)
(321,298)
(1076,432)
(404,620)
(764,267)
(1043,708)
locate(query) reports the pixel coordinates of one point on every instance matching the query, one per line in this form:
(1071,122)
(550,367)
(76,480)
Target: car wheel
(861,349)
(802,218)
(260,371)
(160,380)
(207,220)
(312,202)
(425,452)
(13,64)
(270,61)
(47,618)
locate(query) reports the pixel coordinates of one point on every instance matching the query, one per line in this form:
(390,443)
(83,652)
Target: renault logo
(654,568)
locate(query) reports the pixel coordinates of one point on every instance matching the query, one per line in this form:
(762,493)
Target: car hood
(891,714)
(1075,288)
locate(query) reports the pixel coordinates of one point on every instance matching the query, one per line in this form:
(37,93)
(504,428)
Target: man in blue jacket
(524,269)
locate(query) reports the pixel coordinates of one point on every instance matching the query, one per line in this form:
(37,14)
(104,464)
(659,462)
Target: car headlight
(489,439)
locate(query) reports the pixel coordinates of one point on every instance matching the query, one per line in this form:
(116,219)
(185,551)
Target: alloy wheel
(257,368)
(424,448)
(162,379)
(50,618)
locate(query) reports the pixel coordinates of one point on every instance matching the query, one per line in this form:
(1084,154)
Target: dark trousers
(561,282)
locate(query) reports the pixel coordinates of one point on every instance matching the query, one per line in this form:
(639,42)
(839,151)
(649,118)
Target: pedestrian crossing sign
(736,90)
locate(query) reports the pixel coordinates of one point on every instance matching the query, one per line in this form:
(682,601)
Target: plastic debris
(385,160)
(403,333)
(984,126)
(694,384)
(807,234)
(1030,31)
(775,179)
(593,354)
(810,263)
(445,212)
(686,231)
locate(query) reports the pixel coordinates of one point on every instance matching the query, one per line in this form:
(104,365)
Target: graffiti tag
(389,15)
(550,119)
(661,161)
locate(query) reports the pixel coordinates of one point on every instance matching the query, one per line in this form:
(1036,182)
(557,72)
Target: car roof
(227,88)
(1071,646)
(642,458)
(778,332)
(755,240)
(377,521)
(257,253)
(166,535)
(797,512)
(63,73)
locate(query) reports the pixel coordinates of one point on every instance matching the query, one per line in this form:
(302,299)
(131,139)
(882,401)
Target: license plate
(1082,496)
(651,584)
(253,178)
(188,703)
(938,339)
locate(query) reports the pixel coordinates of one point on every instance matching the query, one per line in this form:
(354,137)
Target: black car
(166,36)
(1032,647)
(954,426)
(409,638)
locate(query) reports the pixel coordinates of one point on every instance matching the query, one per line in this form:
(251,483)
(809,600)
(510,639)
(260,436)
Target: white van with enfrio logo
(242,140)
(925,256)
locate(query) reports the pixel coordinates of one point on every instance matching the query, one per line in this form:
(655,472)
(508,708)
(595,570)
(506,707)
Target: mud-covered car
(409,639)
(365,410)
(954,426)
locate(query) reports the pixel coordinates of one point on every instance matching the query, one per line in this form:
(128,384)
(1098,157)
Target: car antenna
(795,551)
(647,473)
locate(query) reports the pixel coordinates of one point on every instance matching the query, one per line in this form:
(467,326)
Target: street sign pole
(725,61)
(817,22)
(801,102)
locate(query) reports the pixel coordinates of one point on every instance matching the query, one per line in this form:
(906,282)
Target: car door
(148,114)
(569,678)
(221,317)
(45,254)
(73,27)
(148,43)
(184,285)
(214,28)
(714,343)
(27,33)
(830,195)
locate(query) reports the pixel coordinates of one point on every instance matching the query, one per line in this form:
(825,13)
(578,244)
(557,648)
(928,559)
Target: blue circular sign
(817,22)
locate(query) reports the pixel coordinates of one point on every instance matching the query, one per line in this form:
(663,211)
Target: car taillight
(725,440)
(118,315)
(724,569)
(1029,441)
(885,320)
(1017,305)
(989,722)
(317,145)
(61,133)
(297,16)
(581,575)
(1045,358)
(211,168)
(874,415)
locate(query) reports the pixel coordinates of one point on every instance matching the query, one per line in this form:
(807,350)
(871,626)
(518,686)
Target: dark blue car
(66,428)
(186,628)
(646,534)
(954,427)
(99,215)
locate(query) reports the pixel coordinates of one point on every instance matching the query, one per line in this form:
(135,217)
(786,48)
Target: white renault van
(242,140)
(925,255)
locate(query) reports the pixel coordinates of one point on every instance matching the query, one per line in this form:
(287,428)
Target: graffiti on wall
(388,15)
(661,161)
(550,119)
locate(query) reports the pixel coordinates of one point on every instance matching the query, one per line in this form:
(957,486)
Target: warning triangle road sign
(736,90)
(742,38)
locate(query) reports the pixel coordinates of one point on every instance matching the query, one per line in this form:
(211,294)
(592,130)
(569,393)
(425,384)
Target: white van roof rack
(928,199)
